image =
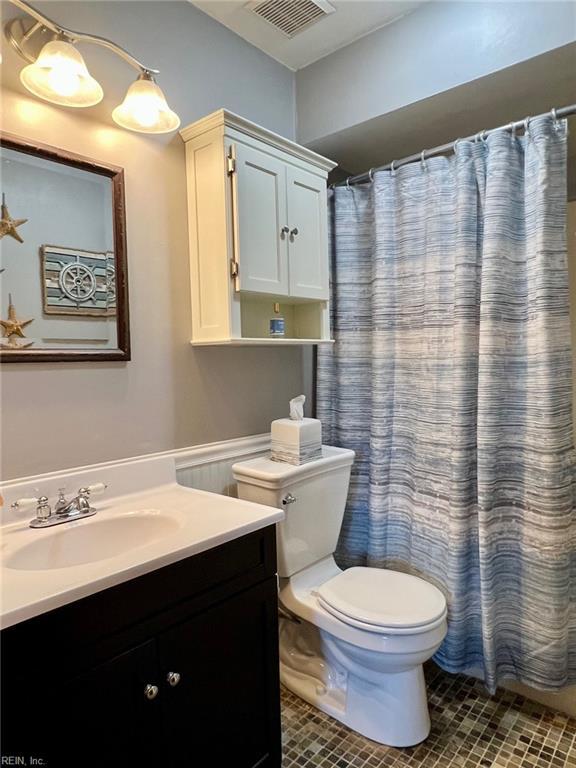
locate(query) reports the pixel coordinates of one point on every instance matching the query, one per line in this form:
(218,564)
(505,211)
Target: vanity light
(60,75)
(144,108)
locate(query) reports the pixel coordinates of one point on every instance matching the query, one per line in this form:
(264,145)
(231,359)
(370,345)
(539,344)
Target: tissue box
(296,442)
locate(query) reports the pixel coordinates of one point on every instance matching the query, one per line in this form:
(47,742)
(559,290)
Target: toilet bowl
(370,678)
(353,642)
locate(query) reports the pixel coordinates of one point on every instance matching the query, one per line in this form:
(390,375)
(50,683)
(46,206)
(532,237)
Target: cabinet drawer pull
(293,233)
(173,678)
(151,691)
(284,231)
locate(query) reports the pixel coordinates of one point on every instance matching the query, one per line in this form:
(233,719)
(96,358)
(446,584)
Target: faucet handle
(93,490)
(25,503)
(43,508)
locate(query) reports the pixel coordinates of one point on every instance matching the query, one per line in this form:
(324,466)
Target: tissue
(297,408)
(296,440)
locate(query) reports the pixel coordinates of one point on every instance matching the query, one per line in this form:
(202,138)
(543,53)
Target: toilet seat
(383,601)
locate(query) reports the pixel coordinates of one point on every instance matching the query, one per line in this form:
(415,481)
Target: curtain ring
(557,122)
(348,183)
(392,169)
(527,126)
(371,175)
(423,160)
(456,146)
(512,129)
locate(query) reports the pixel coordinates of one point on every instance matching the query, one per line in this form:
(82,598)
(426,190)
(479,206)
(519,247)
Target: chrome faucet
(78,505)
(64,510)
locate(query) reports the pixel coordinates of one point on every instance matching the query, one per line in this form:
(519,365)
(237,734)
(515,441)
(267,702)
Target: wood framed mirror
(63,263)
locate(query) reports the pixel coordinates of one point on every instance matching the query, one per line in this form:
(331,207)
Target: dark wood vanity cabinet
(203,632)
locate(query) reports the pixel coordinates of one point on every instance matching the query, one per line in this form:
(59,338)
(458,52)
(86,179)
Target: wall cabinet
(176,668)
(258,233)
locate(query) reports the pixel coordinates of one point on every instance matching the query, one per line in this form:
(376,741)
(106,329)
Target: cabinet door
(104,718)
(308,240)
(261,245)
(225,709)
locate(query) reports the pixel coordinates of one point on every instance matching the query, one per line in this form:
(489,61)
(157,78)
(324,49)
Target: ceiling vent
(291,16)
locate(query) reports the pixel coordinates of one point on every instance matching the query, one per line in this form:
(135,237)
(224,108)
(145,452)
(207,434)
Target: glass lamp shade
(60,75)
(144,109)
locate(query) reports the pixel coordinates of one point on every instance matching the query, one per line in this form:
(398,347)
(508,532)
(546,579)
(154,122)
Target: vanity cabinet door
(260,237)
(308,237)
(105,718)
(224,711)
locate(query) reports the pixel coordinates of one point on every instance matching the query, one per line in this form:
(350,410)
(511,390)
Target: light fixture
(57,72)
(60,75)
(145,109)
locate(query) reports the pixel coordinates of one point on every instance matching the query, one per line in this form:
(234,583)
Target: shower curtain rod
(427,153)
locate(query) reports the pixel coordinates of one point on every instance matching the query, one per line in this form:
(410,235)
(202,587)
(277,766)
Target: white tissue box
(296,442)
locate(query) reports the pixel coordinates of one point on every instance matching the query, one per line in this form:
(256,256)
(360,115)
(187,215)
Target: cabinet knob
(173,678)
(284,231)
(151,691)
(293,232)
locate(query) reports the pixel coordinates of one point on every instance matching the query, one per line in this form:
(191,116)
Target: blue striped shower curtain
(451,378)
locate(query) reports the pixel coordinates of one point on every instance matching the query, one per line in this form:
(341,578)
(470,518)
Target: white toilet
(352,643)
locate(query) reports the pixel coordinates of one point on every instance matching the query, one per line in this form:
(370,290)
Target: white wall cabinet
(258,234)
(260,216)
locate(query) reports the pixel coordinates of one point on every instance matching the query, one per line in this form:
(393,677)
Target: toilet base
(391,708)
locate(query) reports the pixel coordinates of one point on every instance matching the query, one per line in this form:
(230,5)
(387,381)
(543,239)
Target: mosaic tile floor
(469,730)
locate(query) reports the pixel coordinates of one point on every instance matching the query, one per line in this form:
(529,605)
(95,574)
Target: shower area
(454,317)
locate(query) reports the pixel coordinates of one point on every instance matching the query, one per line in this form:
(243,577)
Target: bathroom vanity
(176,666)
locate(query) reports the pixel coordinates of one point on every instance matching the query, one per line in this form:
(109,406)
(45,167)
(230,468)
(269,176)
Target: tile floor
(469,730)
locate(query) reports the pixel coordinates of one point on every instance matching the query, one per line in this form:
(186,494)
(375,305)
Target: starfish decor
(13,327)
(8,225)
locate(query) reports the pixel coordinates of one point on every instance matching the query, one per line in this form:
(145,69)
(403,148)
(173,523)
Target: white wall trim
(212,453)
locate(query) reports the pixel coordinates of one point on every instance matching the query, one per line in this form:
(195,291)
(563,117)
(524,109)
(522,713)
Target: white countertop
(198,521)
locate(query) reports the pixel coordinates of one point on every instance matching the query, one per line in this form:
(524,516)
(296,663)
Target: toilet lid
(383,598)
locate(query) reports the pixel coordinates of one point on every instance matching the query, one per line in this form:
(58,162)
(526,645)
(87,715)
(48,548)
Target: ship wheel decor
(111,284)
(77,282)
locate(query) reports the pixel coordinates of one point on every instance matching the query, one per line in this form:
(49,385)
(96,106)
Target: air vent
(291,16)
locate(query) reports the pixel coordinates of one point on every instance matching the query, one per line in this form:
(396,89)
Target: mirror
(63,273)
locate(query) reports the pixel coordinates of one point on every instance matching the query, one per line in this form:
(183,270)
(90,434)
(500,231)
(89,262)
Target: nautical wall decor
(78,282)
(8,225)
(13,329)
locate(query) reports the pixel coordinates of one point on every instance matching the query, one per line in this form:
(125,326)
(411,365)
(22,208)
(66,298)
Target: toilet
(353,642)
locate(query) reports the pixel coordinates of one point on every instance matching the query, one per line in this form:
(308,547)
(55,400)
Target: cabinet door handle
(284,231)
(173,678)
(293,233)
(151,691)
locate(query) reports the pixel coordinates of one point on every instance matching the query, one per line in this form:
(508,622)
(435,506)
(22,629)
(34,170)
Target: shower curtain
(451,378)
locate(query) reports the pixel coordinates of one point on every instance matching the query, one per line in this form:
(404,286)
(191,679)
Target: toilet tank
(312,495)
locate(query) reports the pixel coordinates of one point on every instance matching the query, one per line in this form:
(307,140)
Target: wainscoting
(209,467)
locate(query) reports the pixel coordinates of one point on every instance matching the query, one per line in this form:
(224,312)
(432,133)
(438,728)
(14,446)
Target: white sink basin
(151,522)
(75,544)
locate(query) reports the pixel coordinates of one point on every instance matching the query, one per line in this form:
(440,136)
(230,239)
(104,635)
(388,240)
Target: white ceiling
(352,19)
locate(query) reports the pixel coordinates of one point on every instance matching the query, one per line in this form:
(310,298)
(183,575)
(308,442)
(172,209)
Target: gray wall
(170,395)
(436,48)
